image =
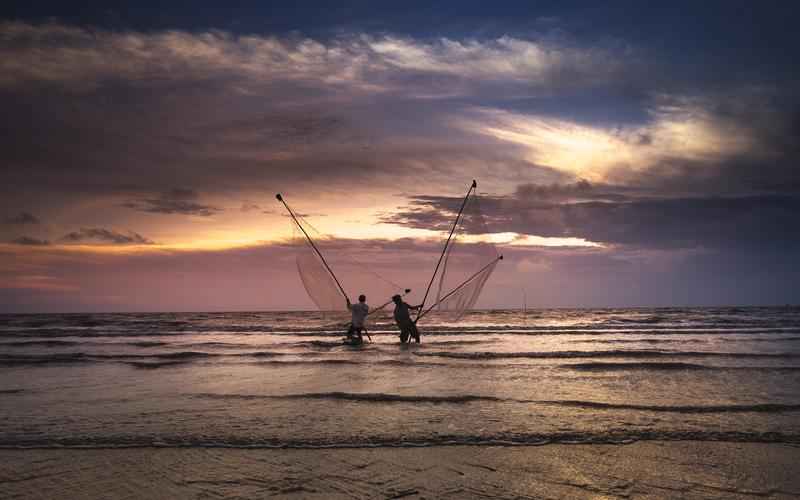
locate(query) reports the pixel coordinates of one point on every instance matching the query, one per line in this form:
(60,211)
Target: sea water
(284,379)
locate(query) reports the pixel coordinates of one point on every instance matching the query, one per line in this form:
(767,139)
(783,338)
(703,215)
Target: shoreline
(654,469)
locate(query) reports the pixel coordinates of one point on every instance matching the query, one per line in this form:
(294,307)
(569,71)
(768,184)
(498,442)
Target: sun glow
(684,130)
(581,150)
(527,240)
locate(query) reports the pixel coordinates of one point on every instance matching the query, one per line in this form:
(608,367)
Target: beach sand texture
(639,470)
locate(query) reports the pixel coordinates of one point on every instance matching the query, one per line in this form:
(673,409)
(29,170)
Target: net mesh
(317,281)
(356,276)
(468,263)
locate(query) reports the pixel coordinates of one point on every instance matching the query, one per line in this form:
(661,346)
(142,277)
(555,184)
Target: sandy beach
(638,470)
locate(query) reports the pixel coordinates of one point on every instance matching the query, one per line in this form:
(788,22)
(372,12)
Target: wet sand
(638,470)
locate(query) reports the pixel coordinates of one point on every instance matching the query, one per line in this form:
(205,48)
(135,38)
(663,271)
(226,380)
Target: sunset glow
(153,153)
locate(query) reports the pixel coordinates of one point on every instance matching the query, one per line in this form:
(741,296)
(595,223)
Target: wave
(146,343)
(21,360)
(184,355)
(274,362)
(40,343)
(759,408)
(81,357)
(640,341)
(669,366)
(683,341)
(438,358)
(221,345)
(150,365)
(324,344)
(634,366)
(349,396)
(603,354)
(612,436)
(646,320)
(390,331)
(470,398)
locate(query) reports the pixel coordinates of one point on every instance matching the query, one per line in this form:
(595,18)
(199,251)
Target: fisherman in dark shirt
(401,315)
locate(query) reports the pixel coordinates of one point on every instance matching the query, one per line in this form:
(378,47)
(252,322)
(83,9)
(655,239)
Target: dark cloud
(177,201)
(255,112)
(27,240)
(23,218)
(758,221)
(106,236)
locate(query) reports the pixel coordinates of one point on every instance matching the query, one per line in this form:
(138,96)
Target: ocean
(284,379)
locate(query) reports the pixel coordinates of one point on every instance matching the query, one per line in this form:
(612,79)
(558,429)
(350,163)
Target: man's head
(397,299)
(362,298)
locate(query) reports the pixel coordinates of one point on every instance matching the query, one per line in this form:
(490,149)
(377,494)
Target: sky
(626,154)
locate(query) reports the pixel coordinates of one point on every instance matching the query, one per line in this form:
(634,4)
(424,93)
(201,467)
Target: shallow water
(285,379)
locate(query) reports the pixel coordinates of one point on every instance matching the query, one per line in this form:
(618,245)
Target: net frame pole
(291,213)
(444,250)
(459,287)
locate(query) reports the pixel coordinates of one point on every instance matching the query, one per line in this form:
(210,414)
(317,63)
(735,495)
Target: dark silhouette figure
(408,328)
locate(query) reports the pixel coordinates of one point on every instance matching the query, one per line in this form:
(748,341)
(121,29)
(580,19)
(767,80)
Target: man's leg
(403,333)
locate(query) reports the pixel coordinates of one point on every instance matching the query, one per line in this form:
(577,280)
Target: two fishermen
(408,328)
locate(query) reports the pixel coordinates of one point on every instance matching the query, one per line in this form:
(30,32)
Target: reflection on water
(285,379)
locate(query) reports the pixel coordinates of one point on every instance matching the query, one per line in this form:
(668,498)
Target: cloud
(645,220)
(678,128)
(84,59)
(27,240)
(176,201)
(246,112)
(106,236)
(23,218)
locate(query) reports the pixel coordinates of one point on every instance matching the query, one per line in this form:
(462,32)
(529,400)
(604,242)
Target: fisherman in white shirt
(359,312)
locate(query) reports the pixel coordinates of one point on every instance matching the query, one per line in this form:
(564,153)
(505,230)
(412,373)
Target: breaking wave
(612,436)
(604,354)
(470,398)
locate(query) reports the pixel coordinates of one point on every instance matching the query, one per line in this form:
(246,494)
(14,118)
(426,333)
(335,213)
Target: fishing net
(468,262)
(318,282)
(351,261)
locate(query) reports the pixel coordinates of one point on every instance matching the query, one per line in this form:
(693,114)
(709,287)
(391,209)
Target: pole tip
(279,197)
(474,183)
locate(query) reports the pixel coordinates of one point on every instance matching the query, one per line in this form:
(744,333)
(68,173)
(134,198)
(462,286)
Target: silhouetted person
(407,327)
(359,311)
